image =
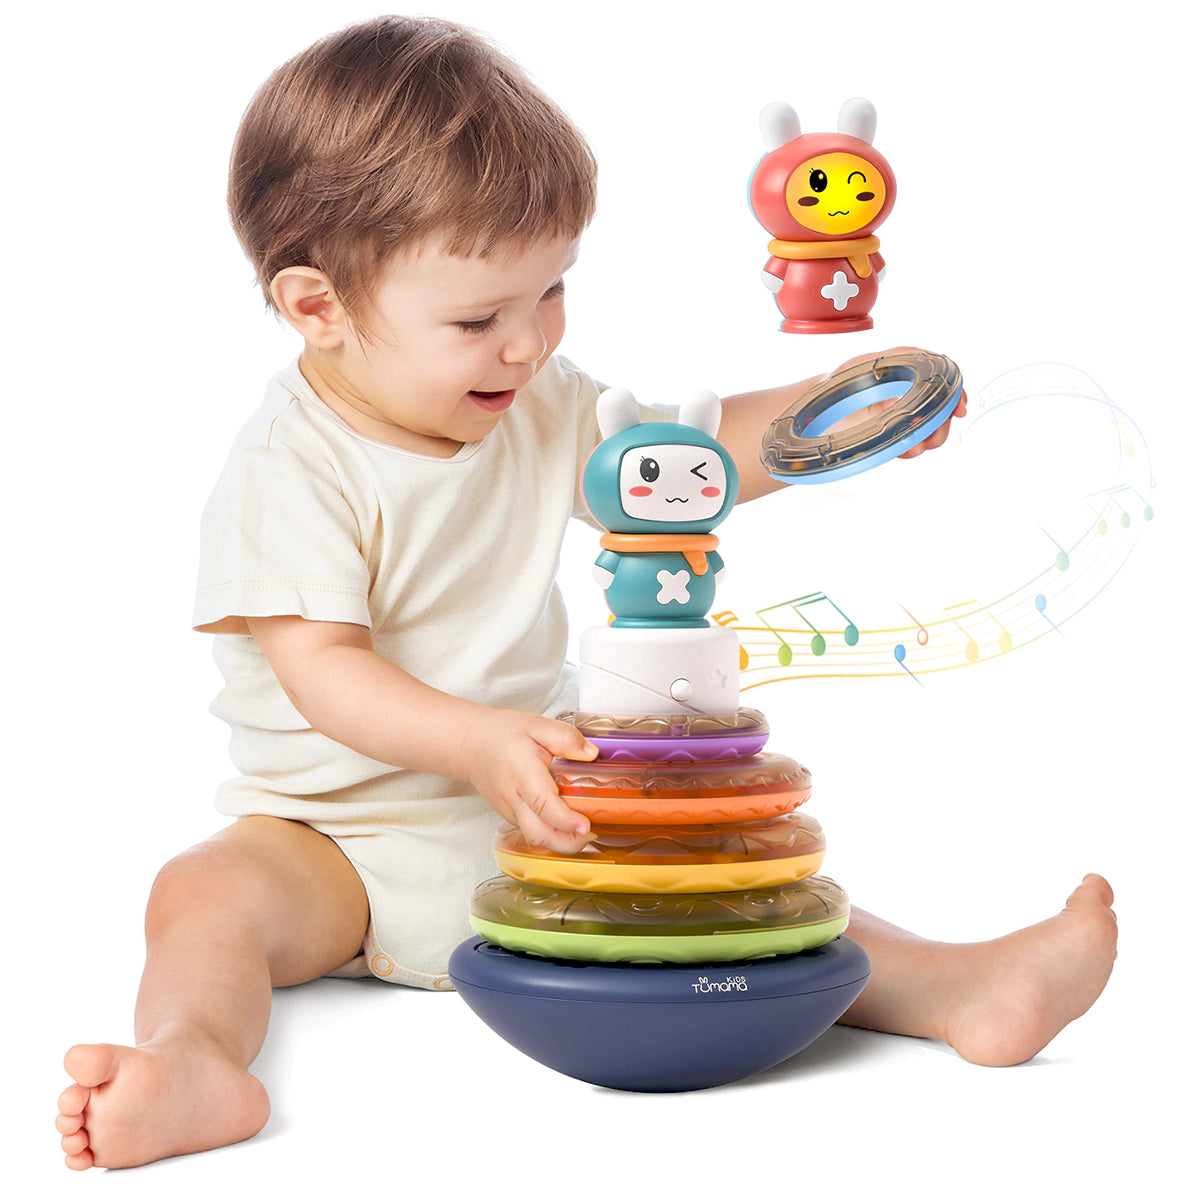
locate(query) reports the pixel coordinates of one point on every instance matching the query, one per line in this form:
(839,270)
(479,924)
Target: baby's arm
(337,682)
(744,420)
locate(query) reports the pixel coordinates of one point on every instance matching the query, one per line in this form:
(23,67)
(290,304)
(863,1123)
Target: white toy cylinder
(655,670)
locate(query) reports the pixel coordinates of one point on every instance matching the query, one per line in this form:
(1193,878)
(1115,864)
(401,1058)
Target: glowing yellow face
(835,193)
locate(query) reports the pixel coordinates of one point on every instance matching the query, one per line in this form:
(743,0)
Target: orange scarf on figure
(693,546)
(857,251)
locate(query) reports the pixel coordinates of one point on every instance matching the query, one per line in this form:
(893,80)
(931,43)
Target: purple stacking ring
(674,737)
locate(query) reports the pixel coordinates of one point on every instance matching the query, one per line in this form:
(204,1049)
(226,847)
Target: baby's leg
(264,903)
(997,1003)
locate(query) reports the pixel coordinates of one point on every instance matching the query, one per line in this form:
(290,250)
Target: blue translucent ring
(925,387)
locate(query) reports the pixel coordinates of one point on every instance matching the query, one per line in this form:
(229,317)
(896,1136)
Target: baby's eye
(696,470)
(555,291)
(480,326)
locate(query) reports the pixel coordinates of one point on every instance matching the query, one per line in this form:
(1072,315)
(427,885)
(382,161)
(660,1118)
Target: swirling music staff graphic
(788,643)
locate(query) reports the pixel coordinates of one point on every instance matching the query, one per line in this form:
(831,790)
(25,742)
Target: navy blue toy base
(660,1027)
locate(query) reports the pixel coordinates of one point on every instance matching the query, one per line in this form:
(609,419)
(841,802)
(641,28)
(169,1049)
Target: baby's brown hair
(391,133)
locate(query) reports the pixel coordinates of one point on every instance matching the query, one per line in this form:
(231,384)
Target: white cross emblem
(674,586)
(841,291)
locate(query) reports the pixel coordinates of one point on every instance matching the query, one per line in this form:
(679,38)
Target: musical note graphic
(1063,560)
(818,643)
(1101,523)
(1039,602)
(971,650)
(1004,641)
(900,655)
(1110,498)
(922,632)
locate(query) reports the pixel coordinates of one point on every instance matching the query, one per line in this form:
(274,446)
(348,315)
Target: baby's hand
(509,754)
(932,442)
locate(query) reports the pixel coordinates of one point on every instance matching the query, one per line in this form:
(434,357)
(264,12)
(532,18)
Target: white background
(1046,184)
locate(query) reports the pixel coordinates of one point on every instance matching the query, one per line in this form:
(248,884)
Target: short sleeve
(577,391)
(587,428)
(279,538)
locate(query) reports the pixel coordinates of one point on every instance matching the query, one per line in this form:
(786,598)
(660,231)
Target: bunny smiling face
(836,193)
(671,483)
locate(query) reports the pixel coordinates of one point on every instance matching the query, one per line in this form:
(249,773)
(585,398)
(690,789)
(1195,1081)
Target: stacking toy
(821,196)
(690,943)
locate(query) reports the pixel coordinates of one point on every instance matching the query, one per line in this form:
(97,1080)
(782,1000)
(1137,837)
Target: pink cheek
(710,491)
(641,491)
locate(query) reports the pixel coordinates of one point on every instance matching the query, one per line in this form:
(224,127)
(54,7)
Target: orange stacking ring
(633,793)
(666,860)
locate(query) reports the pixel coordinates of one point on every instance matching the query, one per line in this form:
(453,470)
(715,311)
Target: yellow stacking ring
(667,859)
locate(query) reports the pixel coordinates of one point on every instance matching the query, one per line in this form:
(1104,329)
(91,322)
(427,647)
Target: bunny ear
(703,412)
(779,125)
(616,409)
(857,118)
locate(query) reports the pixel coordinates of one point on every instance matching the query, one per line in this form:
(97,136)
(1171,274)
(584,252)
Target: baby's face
(449,343)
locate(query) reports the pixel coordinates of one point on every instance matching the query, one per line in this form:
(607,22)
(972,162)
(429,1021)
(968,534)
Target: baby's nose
(526,345)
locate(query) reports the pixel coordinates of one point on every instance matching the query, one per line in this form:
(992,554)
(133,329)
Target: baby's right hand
(509,755)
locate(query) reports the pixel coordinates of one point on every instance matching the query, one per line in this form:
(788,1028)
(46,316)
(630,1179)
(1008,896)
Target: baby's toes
(74,1100)
(74,1144)
(68,1122)
(81,1161)
(90,1066)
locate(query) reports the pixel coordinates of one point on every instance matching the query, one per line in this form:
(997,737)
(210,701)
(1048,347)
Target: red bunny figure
(821,196)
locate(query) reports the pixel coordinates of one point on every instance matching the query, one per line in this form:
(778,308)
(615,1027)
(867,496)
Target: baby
(378,566)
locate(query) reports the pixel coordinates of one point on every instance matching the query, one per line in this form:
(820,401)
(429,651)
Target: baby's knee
(214,880)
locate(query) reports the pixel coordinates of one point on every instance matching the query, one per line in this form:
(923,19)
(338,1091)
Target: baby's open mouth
(493,401)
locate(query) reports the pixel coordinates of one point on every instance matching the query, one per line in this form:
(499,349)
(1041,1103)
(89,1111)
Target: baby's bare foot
(131,1106)
(1019,991)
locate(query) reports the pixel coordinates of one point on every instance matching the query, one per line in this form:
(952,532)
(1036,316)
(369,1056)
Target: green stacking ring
(640,928)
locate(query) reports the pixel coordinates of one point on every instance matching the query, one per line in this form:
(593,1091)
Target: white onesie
(451,564)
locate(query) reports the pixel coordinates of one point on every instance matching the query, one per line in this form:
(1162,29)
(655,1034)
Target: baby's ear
(307,301)
(703,412)
(616,409)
